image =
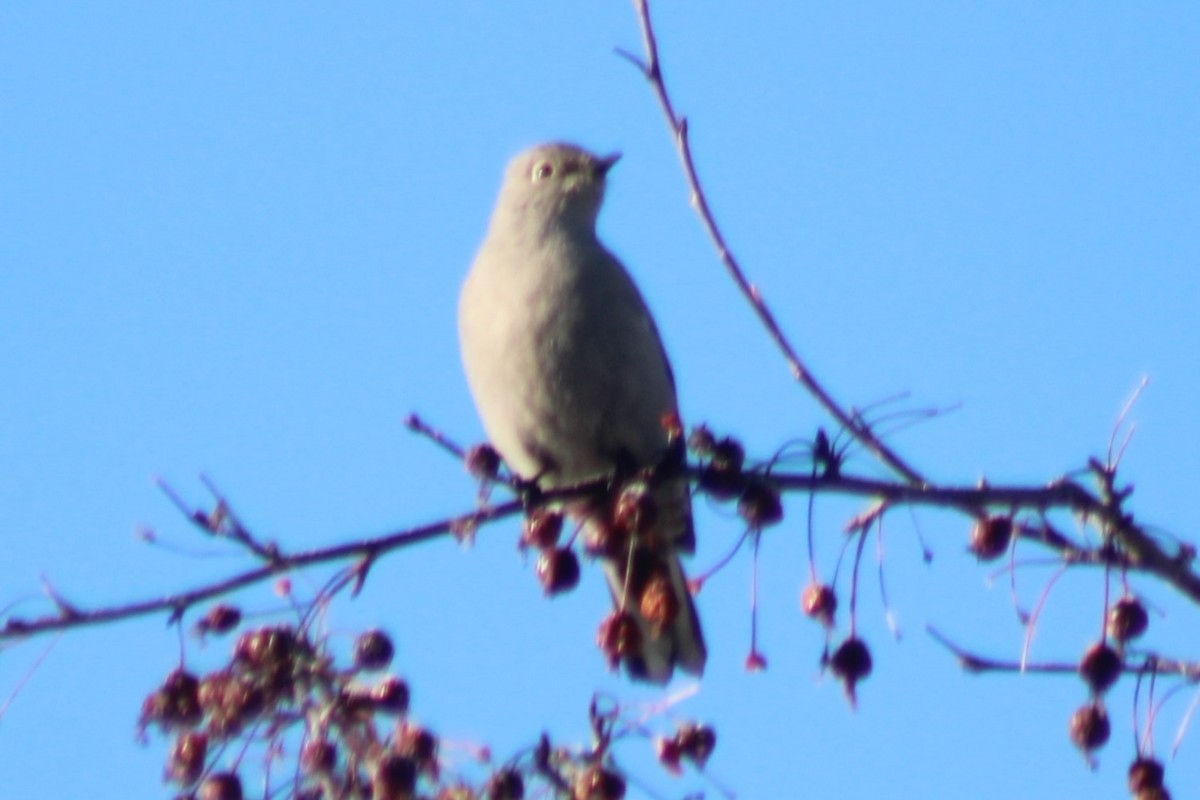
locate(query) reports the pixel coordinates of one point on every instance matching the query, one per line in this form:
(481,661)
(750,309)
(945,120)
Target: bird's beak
(606,163)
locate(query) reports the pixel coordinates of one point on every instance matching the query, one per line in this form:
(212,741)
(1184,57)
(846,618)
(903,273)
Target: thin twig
(24,679)
(973,662)
(417,425)
(1115,454)
(651,69)
(1144,555)
(235,530)
(175,604)
(1031,625)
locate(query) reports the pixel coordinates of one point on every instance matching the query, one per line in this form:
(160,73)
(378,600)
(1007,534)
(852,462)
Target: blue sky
(231,240)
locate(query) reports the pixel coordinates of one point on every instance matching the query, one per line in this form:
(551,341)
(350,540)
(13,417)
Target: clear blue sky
(231,240)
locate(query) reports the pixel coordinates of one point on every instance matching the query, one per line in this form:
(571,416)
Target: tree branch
(1125,545)
(176,604)
(972,662)
(651,69)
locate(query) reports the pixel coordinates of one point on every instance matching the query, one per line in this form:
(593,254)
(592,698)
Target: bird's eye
(543,170)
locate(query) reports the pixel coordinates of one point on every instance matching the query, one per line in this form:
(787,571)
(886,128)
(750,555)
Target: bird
(572,383)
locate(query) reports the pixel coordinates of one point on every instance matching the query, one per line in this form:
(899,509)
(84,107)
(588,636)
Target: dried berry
(659,605)
(483,462)
(990,537)
(701,441)
(606,540)
(542,528)
(231,702)
(267,648)
(395,778)
(669,754)
(722,476)
(728,455)
(212,690)
(851,663)
(175,704)
(696,742)
(186,762)
(355,703)
(619,637)
(391,696)
(597,783)
(1145,774)
(1100,667)
(420,745)
(507,784)
(318,757)
(636,510)
(819,602)
(760,505)
(558,570)
(221,786)
(373,650)
(1090,727)
(219,619)
(755,661)
(1127,620)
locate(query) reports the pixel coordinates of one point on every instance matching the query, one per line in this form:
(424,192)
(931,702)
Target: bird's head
(557,184)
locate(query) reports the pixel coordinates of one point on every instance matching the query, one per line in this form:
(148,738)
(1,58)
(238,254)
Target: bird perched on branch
(571,380)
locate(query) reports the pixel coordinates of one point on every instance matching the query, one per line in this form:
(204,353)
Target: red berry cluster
(273,674)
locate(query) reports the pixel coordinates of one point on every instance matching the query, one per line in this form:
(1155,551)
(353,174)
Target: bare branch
(972,662)
(1126,543)
(417,425)
(176,604)
(651,69)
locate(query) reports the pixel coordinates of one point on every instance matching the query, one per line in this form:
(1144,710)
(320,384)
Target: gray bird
(571,380)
